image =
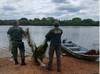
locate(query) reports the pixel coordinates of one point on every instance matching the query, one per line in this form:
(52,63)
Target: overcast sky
(61,9)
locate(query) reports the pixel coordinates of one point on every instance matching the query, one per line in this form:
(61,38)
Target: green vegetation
(49,22)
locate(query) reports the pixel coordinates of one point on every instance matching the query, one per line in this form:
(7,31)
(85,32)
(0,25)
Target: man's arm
(9,31)
(61,31)
(48,35)
(23,32)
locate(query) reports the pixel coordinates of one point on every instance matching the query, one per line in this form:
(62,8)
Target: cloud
(61,9)
(8,8)
(69,9)
(58,1)
(96,0)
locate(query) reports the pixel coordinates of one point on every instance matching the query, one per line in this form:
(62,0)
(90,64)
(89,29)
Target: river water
(87,37)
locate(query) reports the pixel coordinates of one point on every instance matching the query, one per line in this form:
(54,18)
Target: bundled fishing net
(38,52)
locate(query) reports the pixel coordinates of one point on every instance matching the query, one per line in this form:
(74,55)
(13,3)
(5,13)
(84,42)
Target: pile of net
(38,52)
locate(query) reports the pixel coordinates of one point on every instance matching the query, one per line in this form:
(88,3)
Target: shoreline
(70,65)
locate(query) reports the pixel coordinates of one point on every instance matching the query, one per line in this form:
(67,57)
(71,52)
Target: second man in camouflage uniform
(16,34)
(54,36)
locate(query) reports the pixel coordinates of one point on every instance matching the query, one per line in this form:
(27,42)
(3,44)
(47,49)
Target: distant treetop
(50,20)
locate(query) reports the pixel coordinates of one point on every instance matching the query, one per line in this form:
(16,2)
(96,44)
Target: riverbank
(69,66)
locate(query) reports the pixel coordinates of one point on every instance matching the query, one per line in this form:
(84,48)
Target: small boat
(74,50)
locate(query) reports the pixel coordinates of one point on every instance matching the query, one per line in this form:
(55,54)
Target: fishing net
(38,52)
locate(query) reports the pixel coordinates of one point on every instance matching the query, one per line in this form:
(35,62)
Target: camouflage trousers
(14,49)
(57,49)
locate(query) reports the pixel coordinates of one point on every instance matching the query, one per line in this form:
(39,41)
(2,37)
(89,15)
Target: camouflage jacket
(16,33)
(54,36)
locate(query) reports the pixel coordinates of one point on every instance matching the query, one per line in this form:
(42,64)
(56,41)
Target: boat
(74,50)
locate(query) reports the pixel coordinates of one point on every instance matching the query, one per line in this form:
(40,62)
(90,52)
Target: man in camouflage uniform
(16,34)
(54,36)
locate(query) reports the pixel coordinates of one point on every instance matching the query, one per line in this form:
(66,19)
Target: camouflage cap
(56,24)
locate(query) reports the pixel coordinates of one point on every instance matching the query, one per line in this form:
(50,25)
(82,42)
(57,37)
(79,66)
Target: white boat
(77,51)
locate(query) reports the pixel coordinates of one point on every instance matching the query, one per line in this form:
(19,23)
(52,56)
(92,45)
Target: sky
(60,9)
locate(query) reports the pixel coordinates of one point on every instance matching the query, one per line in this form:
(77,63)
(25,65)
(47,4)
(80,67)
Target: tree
(24,21)
(50,20)
(44,21)
(1,22)
(76,21)
(89,22)
(36,21)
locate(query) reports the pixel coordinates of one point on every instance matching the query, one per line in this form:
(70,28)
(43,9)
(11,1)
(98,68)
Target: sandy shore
(69,66)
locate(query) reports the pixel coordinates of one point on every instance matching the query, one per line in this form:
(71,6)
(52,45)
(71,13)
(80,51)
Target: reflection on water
(87,37)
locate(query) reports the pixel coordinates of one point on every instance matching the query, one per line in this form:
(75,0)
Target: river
(87,37)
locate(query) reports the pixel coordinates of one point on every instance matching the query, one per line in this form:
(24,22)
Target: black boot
(16,61)
(23,62)
(48,68)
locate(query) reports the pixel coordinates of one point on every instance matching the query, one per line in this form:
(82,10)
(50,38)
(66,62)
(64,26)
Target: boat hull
(69,52)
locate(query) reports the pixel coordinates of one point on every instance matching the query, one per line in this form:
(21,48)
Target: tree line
(49,22)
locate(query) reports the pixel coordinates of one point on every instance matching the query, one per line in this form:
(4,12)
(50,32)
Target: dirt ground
(69,66)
